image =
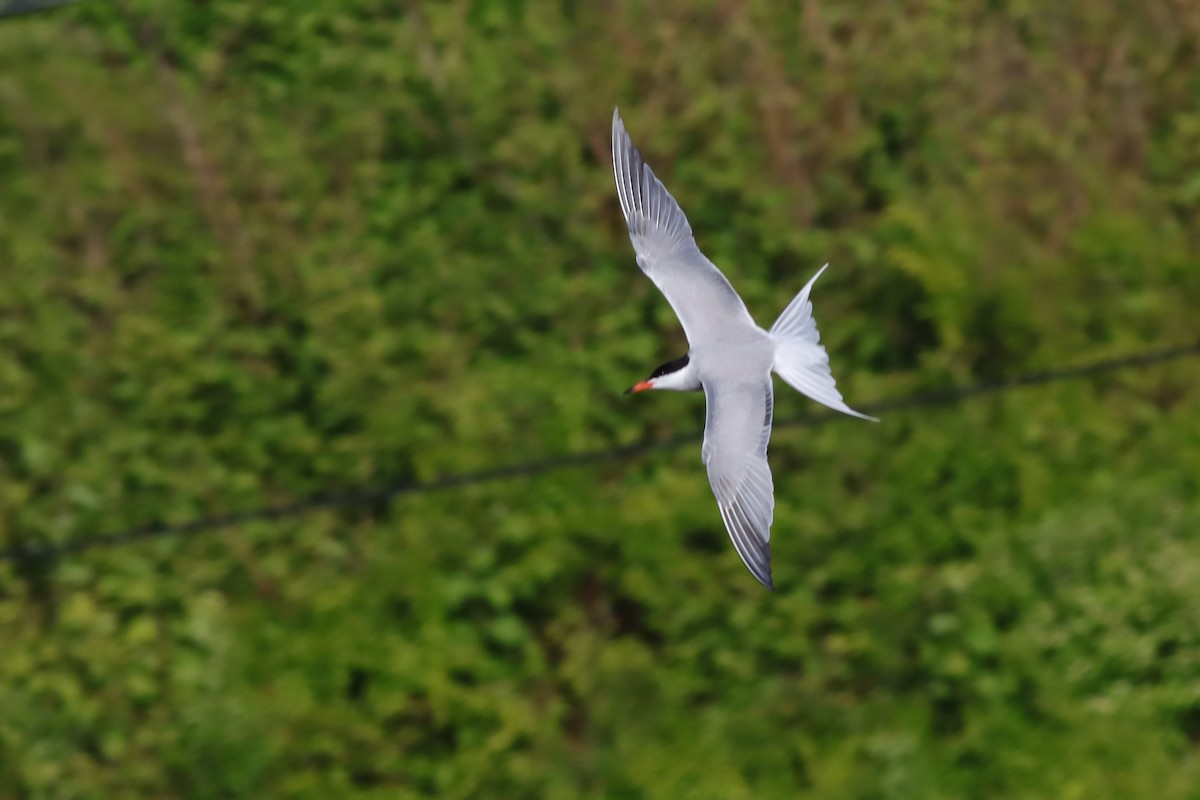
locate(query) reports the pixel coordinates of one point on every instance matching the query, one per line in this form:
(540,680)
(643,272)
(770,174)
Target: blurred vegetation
(250,251)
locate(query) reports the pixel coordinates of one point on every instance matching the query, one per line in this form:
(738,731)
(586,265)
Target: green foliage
(251,251)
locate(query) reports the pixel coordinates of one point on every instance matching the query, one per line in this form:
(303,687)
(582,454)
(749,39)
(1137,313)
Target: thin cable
(387,492)
(14,7)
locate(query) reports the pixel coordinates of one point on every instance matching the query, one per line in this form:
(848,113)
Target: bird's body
(729,356)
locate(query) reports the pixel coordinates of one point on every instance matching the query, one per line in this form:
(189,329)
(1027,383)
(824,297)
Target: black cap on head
(669,367)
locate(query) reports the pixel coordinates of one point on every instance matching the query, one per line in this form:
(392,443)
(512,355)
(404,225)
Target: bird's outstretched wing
(704,301)
(737,429)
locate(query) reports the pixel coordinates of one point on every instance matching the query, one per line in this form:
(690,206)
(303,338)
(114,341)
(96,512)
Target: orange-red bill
(640,386)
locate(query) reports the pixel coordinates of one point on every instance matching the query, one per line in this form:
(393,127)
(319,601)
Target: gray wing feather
(736,432)
(666,251)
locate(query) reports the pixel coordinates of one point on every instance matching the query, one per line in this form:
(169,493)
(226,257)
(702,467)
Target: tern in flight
(729,356)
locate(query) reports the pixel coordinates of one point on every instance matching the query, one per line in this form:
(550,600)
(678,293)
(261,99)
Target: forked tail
(799,357)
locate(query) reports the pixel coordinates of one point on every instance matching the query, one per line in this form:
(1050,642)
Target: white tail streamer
(800,359)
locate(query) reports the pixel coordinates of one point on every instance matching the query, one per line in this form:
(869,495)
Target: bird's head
(678,375)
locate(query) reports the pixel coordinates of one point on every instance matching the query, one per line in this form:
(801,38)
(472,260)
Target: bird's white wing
(701,296)
(737,428)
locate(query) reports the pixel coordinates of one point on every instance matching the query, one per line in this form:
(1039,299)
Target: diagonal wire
(371,495)
(14,7)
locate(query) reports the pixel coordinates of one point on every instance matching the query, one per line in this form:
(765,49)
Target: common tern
(729,357)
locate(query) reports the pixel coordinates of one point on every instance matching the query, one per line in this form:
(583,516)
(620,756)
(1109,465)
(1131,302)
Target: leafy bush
(253,252)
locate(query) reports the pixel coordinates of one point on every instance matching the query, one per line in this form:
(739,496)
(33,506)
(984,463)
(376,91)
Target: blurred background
(272,273)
